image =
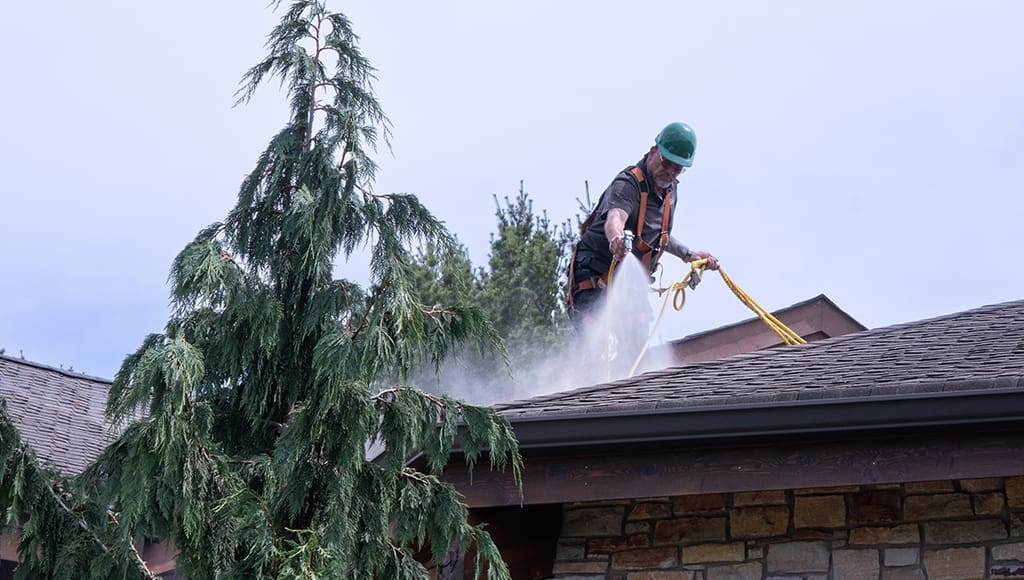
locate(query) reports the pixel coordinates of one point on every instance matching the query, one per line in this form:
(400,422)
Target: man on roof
(641,199)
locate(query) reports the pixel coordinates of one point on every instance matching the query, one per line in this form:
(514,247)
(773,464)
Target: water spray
(627,240)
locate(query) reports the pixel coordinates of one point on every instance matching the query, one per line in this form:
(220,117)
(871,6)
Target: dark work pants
(585,303)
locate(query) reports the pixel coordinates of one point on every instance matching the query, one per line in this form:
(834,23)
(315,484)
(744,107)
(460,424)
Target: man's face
(662,171)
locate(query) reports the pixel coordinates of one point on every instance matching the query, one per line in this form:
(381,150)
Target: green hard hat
(677,142)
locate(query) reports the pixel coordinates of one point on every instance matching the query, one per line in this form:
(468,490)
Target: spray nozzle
(627,240)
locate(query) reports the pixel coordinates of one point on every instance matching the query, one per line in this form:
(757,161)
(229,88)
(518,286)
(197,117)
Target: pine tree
(246,423)
(522,291)
(443,279)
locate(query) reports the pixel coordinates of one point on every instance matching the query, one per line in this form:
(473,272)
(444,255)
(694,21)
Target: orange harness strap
(641,244)
(648,254)
(591,283)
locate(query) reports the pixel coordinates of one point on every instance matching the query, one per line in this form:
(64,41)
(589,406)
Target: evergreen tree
(246,423)
(441,278)
(522,290)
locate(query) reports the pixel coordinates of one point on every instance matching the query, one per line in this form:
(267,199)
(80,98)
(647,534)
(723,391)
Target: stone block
(797,557)
(616,544)
(666,557)
(963,532)
(989,504)
(984,484)
(570,550)
(901,534)
(596,521)
(855,564)
(1016,525)
(931,507)
(650,511)
(641,527)
(759,522)
(748,571)
(819,511)
(1015,492)
(878,506)
(955,563)
(689,530)
(806,534)
(698,504)
(759,498)
(827,490)
(1014,551)
(902,574)
(591,567)
(660,575)
(928,487)
(896,557)
(1006,571)
(702,553)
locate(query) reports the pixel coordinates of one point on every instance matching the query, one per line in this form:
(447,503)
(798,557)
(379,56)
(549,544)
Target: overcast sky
(871,151)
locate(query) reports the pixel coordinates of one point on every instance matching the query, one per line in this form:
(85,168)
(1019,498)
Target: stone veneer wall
(955,530)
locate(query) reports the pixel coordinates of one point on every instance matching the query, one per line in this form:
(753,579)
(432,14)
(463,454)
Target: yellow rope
(677,292)
(788,336)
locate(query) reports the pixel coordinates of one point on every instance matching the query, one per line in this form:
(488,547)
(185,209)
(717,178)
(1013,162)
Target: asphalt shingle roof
(58,413)
(977,349)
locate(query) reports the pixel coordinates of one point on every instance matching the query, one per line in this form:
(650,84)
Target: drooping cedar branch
(246,422)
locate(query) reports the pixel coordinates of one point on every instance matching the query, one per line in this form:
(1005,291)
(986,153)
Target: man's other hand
(700,255)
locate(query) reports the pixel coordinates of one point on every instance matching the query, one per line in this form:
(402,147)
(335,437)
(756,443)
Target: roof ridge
(776,312)
(46,367)
(872,332)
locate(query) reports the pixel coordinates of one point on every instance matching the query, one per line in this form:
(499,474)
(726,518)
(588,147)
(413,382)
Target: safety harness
(648,254)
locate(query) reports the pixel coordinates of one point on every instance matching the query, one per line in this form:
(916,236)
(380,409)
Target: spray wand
(627,240)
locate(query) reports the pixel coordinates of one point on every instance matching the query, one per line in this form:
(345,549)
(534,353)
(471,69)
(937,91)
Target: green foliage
(57,520)
(521,290)
(246,423)
(443,278)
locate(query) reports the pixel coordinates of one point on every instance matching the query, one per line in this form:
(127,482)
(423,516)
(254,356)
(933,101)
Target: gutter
(731,422)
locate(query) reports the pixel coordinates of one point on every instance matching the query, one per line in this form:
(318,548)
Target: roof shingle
(977,349)
(58,413)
